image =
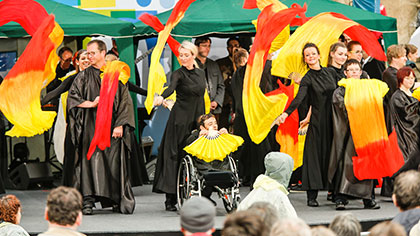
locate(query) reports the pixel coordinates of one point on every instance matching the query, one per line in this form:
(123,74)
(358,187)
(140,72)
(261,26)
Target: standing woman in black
(189,83)
(317,86)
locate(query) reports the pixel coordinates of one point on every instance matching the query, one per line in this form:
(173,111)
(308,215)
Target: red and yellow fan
(214,146)
(21,89)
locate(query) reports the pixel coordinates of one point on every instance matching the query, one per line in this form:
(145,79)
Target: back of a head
(407,190)
(346,224)
(322,231)
(266,211)
(387,228)
(290,227)
(279,166)
(64,204)
(197,215)
(244,223)
(9,208)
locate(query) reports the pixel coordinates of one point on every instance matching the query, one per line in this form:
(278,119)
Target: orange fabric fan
(378,154)
(260,111)
(21,89)
(114,71)
(287,133)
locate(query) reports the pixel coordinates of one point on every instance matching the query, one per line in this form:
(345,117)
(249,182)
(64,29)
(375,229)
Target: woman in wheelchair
(210,149)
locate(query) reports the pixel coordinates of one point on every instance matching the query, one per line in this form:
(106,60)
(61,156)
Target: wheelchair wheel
(186,180)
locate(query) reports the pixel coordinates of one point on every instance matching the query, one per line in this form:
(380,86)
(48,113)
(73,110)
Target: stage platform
(150,218)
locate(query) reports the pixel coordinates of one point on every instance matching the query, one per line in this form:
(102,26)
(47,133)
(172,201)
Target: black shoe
(170,207)
(339,206)
(116,208)
(313,203)
(87,210)
(371,204)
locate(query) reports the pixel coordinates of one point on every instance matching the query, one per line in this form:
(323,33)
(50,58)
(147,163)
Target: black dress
(317,86)
(250,155)
(3,150)
(340,173)
(105,175)
(405,111)
(190,86)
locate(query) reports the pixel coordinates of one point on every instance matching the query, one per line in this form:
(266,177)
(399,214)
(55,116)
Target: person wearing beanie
(197,216)
(271,187)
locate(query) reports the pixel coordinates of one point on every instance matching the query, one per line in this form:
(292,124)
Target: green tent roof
(228,17)
(75,22)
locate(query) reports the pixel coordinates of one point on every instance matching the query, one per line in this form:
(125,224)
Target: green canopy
(75,22)
(205,17)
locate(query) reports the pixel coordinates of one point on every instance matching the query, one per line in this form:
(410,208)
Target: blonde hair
(192,48)
(395,51)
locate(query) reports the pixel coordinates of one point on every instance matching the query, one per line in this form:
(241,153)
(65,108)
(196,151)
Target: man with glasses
(214,79)
(104,177)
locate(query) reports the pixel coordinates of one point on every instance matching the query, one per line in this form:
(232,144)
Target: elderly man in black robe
(104,177)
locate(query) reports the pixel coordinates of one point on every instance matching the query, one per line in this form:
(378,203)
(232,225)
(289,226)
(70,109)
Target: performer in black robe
(190,85)
(104,177)
(317,85)
(250,155)
(405,111)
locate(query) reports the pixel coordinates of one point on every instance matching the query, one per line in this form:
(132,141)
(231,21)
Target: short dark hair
(64,49)
(201,119)
(100,43)
(9,208)
(232,38)
(351,44)
(407,190)
(352,62)
(410,48)
(402,73)
(64,205)
(246,223)
(201,39)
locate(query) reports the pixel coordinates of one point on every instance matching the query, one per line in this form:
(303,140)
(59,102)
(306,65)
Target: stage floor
(150,218)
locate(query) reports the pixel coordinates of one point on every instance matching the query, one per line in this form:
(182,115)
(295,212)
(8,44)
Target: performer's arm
(63,87)
(136,89)
(89,104)
(300,96)
(168,91)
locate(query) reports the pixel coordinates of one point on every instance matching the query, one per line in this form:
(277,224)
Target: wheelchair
(191,181)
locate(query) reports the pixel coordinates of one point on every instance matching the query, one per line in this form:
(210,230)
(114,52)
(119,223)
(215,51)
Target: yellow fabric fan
(214,146)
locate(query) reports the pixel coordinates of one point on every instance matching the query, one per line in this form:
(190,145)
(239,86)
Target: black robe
(340,173)
(317,86)
(105,175)
(190,87)
(405,111)
(250,155)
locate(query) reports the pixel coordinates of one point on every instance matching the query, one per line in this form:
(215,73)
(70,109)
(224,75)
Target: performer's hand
(303,123)
(95,102)
(203,132)
(118,132)
(213,105)
(223,131)
(282,118)
(158,101)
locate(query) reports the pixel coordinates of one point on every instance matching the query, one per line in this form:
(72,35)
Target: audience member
(197,217)
(244,223)
(267,212)
(272,186)
(290,227)
(406,197)
(63,212)
(387,228)
(415,231)
(322,231)
(10,215)
(346,225)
